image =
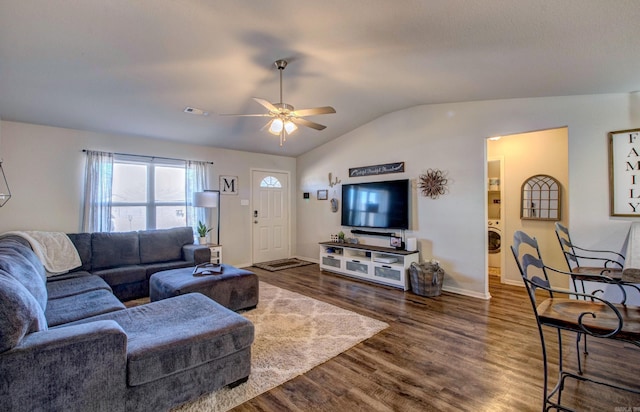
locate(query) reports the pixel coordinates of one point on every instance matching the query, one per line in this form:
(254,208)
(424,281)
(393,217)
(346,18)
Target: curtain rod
(152,157)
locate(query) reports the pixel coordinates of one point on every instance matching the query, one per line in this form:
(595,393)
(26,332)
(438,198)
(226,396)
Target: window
(270,181)
(147,194)
(131,192)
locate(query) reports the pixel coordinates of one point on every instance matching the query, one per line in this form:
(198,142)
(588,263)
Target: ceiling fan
(284,117)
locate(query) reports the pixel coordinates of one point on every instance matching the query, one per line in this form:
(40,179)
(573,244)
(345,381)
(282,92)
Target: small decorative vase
(203,240)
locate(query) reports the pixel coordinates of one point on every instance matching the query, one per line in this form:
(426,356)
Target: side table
(216,253)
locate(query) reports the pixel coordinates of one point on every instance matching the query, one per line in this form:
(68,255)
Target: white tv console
(373,263)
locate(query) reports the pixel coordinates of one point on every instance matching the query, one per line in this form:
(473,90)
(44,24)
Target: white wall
(451,137)
(45,170)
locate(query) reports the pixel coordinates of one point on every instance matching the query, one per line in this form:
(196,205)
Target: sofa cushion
(163,245)
(82,242)
(76,284)
(110,250)
(22,246)
(17,261)
(177,334)
(159,267)
(75,307)
(122,275)
(196,254)
(20,313)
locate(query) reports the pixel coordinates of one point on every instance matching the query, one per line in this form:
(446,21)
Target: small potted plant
(202,232)
(341,237)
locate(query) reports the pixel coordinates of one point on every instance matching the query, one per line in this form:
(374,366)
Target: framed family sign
(624,172)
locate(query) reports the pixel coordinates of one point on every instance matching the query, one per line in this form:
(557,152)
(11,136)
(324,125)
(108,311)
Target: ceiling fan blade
(247,115)
(266,126)
(266,104)
(314,111)
(305,122)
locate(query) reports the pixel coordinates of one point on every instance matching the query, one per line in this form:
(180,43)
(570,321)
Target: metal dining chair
(565,310)
(604,262)
(608,263)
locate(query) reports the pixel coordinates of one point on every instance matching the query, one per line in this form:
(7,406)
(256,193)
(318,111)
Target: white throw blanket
(54,249)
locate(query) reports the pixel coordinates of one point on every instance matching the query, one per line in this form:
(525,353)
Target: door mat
(281,264)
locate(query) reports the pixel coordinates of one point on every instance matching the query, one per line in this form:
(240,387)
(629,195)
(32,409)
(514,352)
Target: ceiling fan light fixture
(276,126)
(290,127)
(285,119)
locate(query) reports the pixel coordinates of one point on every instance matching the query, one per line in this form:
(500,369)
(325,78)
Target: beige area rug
(293,334)
(282,264)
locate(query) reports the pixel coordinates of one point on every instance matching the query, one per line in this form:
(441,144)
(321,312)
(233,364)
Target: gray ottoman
(233,288)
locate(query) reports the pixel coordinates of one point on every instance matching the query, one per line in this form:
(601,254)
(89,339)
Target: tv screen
(376,204)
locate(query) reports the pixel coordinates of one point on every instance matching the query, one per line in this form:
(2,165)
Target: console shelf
(372,263)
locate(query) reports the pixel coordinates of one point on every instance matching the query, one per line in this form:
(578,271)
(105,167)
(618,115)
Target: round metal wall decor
(433,183)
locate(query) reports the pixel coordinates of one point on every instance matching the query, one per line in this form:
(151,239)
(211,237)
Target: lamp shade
(276,126)
(205,199)
(290,127)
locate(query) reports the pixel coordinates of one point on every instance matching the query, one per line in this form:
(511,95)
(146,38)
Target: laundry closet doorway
(495,222)
(522,156)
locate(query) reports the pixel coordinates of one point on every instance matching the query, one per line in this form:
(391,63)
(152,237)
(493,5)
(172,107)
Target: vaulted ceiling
(132,66)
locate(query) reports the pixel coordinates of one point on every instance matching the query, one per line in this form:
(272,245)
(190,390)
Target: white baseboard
(308,259)
(514,282)
(465,292)
(457,291)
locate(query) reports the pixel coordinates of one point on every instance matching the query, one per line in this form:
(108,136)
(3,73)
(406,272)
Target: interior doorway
(270,215)
(495,221)
(542,152)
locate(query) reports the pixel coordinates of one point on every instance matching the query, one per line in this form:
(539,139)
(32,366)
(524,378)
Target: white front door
(270,215)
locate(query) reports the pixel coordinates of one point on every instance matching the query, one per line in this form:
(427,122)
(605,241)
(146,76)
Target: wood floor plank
(448,353)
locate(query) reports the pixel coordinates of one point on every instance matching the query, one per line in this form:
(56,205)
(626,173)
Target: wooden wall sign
(624,172)
(397,167)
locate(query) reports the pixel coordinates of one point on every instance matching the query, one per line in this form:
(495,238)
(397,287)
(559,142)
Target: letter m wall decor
(229,185)
(624,173)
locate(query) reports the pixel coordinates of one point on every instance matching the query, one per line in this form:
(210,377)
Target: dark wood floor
(449,353)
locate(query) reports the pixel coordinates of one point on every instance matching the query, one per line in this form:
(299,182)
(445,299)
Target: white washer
(494,234)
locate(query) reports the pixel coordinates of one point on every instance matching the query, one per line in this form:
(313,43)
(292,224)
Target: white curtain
(97,192)
(196,181)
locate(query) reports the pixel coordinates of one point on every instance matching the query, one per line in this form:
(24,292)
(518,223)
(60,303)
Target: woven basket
(426,278)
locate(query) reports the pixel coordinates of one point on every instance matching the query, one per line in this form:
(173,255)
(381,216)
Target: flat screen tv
(382,205)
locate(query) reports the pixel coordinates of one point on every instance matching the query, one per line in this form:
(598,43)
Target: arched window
(270,181)
(540,198)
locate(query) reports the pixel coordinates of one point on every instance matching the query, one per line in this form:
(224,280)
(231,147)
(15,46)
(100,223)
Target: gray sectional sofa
(69,344)
(126,260)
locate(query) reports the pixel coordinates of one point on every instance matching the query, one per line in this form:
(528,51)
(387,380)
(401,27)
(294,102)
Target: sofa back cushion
(110,250)
(20,313)
(22,264)
(164,245)
(82,242)
(22,246)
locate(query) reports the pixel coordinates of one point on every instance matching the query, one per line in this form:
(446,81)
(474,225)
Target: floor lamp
(209,199)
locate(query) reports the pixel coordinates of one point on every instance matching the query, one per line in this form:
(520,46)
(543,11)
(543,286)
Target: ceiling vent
(196,111)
